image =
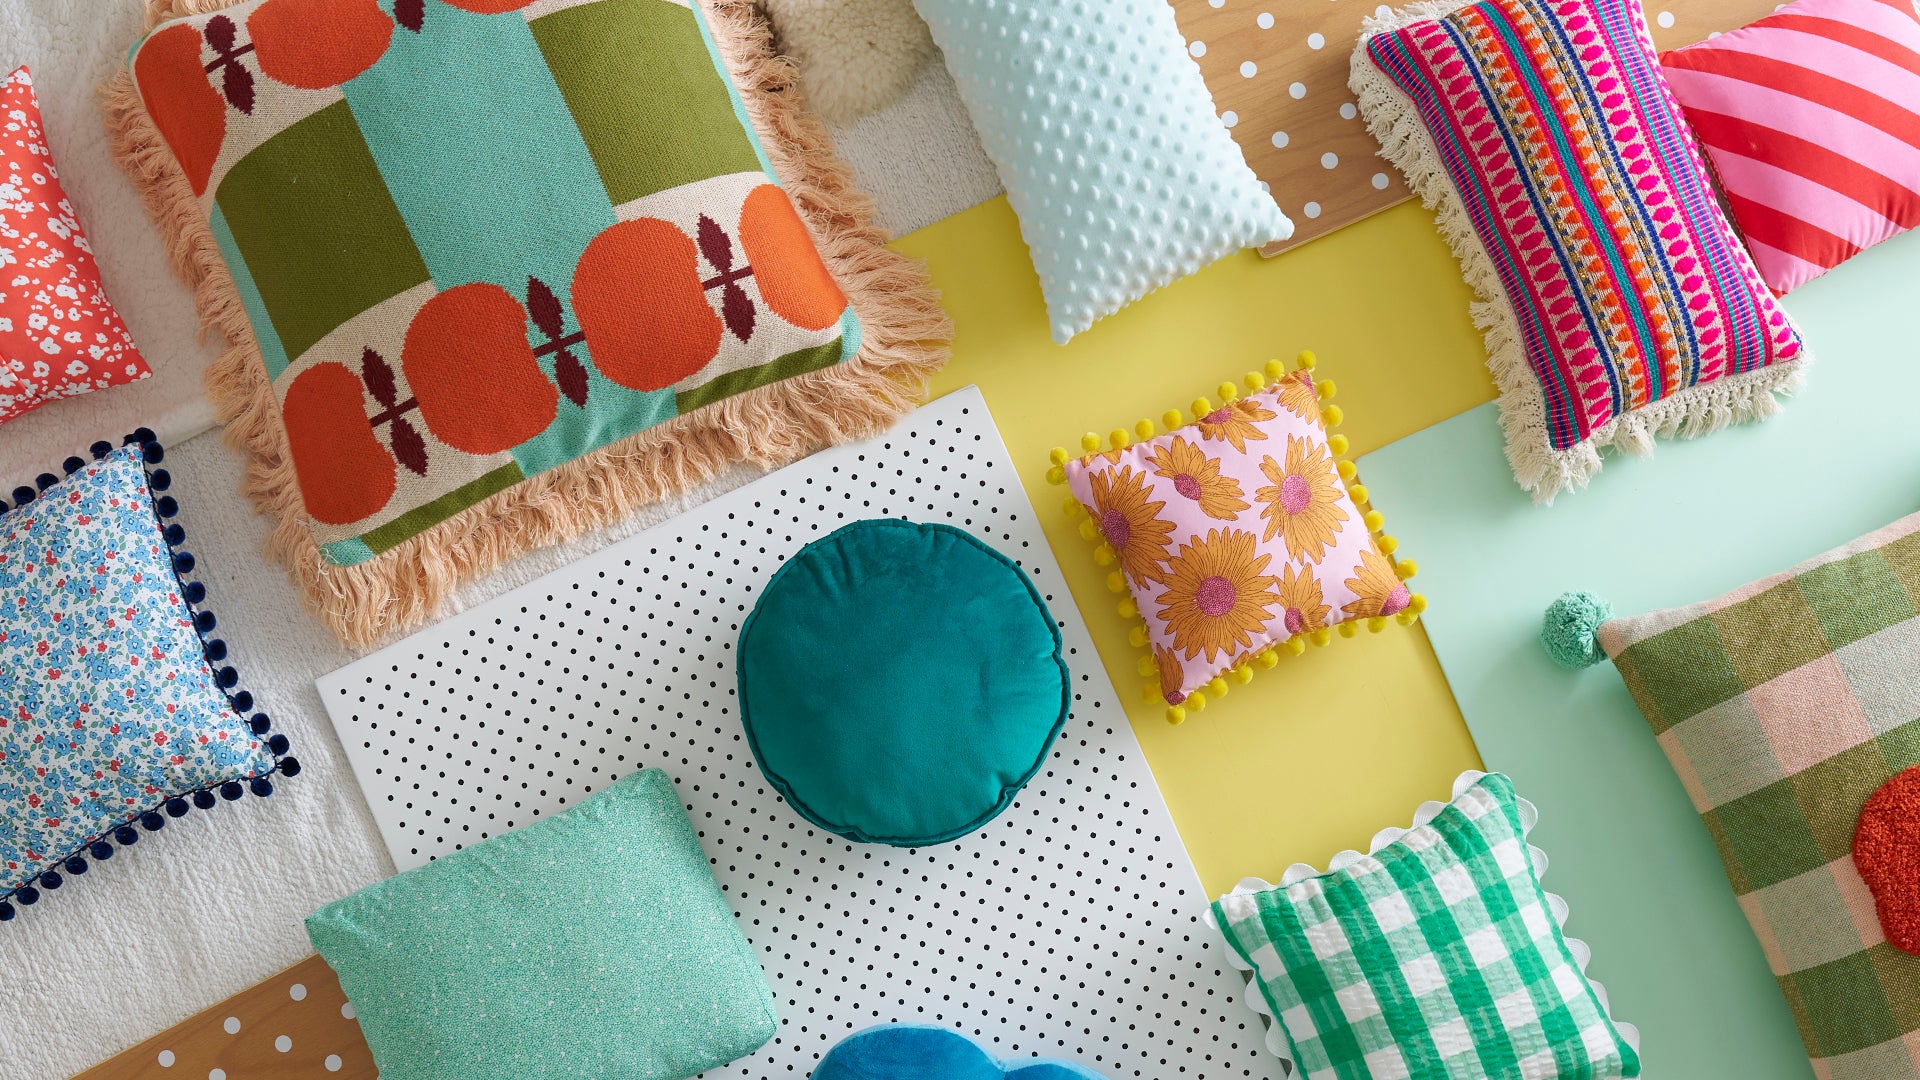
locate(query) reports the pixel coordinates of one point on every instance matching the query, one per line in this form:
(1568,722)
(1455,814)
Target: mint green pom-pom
(1571,628)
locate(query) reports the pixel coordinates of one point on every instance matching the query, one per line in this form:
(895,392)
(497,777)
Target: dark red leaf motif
(378,375)
(220,33)
(236,82)
(409,448)
(715,245)
(571,377)
(411,14)
(737,309)
(544,308)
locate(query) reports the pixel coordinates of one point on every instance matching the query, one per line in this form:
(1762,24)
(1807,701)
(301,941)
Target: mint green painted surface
(1698,518)
(272,353)
(445,131)
(595,942)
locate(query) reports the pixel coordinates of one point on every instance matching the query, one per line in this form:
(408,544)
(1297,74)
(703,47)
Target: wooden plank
(1278,72)
(296,1025)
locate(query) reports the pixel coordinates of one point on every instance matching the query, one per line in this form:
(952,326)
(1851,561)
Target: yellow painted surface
(1324,750)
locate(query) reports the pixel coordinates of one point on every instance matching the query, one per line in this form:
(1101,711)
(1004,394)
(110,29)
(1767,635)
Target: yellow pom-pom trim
(1296,645)
(1255,381)
(1176,715)
(1389,544)
(1116,583)
(1338,444)
(1359,493)
(1376,624)
(1243,674)
(1147,667)
(1348,470)
(1417,604)
(1103,555)
(1117,439)
(1056,475)
(1307,360)
(1333,415)
(1217,687)
(1144,429)
(1090,443)
(1374,520)
(1057,455)
(1196,701)
(1137,637)
(1129,609)
(1348,629)
(1172,419)
(1226,391)
(1200,407)
(1325,388)
(1088,531)
(1321,636)
(1269,657)
(1406,568)
(1275,369)
(1406,618)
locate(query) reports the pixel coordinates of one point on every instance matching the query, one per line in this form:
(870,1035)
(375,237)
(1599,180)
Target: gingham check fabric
(1783,705)
(1437,956)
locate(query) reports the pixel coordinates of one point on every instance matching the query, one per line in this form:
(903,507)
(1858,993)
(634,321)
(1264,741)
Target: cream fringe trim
(905,336)
(1395,121)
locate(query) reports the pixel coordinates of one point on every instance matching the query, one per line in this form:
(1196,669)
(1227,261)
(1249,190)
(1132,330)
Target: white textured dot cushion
(1107,141)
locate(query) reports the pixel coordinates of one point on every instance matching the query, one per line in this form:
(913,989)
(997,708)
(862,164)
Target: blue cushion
(592,943)
(919,1052)
(116,713)
(899,683)
(1106,138)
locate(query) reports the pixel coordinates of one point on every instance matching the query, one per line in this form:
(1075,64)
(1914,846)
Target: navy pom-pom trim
(126,834)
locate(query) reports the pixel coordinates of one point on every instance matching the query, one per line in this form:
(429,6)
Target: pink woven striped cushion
(1811,118)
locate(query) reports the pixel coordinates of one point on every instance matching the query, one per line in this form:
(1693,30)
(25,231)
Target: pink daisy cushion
(1238,536)
(1811,118)
(58,334)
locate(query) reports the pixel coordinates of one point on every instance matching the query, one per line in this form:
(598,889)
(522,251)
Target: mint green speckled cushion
(592,943)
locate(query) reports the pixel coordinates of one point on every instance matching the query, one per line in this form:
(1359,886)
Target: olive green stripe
(734,382)
(427,515)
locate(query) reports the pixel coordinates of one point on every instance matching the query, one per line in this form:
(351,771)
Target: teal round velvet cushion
(901,682)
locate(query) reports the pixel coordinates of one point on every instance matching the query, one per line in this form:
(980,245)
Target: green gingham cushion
(1782,706)
(1437,956)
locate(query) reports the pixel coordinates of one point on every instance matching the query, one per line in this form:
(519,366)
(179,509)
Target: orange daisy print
(1217,598)
(1171,675)
(1131,521)
(1303,504)
(1236,422)
(1295,392)
(1376,588)
(1197,477)
(1302,607)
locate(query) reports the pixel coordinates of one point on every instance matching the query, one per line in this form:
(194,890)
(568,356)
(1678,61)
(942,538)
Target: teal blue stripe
(739,105)
(483,158)
(849,333)
(272,352)
(350,552)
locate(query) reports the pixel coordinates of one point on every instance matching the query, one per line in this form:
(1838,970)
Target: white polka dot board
(1070,926)
(1278,72)
(296,1025)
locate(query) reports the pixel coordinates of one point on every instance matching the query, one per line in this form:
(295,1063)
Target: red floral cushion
(59,335)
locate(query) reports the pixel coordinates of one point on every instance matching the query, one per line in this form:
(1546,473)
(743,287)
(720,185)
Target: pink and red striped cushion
(1811,118)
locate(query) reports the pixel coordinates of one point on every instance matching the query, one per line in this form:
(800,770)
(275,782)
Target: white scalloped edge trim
(1529,817)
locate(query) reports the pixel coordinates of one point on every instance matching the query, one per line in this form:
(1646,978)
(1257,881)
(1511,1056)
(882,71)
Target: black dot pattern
(1071,926)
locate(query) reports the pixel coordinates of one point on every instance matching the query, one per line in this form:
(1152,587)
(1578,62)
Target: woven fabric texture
(475,246)
(1617,301)
(1437,957)
(1811,118)
(1783,706)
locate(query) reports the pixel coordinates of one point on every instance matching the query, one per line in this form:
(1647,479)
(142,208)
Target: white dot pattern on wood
(1071,926)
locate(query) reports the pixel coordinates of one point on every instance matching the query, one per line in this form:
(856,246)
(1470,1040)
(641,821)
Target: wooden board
(1278,72)
(296,1025)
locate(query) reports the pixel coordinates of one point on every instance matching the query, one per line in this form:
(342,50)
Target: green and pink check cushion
(1783,706)
(1437,957)
(476,240)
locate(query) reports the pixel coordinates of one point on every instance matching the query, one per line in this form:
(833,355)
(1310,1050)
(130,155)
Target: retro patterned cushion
(59,335)
(115,711)
(477,239)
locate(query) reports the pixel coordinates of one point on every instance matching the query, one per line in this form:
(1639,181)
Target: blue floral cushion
(114,713)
